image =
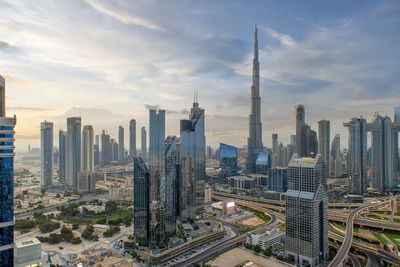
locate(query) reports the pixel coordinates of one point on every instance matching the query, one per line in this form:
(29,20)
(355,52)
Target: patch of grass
(341,226)
(393,236)
(377,217)
(380,238)
(248,229)
(396,220)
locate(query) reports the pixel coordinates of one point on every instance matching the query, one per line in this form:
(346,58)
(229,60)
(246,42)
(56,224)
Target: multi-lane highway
(347,241)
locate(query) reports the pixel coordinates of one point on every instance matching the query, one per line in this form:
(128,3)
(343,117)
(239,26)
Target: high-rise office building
(169,194)
(335,160)
(87,148)
(143,146)
(357,155)
(6,181)
(274,143)
(293,140)
(114,150)
(306,138)
(141,212)
(209,152)
(396,139)
(254,142)
(132,138)
(157,177)
(62,143)
(228,159)
(96,155)
(193,164)
(46,154)
(324,131)
(384,175)
(156,152)
(307,212)
(277,179)
(121,143)
(73,151)
(106,149)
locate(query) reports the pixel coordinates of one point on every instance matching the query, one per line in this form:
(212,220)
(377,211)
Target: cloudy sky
(109,61)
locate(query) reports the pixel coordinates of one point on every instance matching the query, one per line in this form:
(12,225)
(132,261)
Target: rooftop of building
(242,178)
(27,243)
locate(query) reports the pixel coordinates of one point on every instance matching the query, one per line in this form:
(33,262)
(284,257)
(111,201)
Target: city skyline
(213,58)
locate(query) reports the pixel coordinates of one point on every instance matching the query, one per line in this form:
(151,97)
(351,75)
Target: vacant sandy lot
(238,255)
(253,221)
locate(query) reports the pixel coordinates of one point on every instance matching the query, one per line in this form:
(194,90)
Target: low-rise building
(265,237)
(242,182)
(28,253)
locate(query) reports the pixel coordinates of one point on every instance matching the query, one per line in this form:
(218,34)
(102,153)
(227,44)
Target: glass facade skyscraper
(132,138)
(169,194)
(277,179)
(6,182)
(357,155)
(307,212)
(324,131)
(62,143)
(46,154)
(143,145)
(193,164)
(141,216)
(228,159)
(263,162)
(121,143)
(73,151)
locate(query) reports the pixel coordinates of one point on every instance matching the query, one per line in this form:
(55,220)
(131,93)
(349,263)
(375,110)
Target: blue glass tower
(262,163)
(141,215)
(6,182)
(228,159)
(277,179)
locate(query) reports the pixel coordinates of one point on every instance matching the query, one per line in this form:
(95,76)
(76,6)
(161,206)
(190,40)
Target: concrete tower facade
(143,145)
(73,151)
(88,148)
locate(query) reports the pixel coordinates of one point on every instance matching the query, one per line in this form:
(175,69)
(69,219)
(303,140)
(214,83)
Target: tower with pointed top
(254,142)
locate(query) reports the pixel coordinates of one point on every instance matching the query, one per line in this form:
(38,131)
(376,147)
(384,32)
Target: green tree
(257,248)
(268,252)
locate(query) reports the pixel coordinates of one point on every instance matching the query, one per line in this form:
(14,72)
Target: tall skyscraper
(141,214)
(132,138)
(46,154)
(324,131)
(335,160)
(143,146)
(306,138)
(157,178)
(96,155)
(357,155)
(193,164)
(169,194)
(87,148)
(121,144)
(383,153)
(106,149)
(73,151)
(6,181)
(254,142)
(62,146)
(156,152)
(307,212)
(274,143)
(293,140)
(114,150)
(396,140)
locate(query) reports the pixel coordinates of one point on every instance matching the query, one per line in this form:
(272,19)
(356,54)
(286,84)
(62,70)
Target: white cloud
(122,16)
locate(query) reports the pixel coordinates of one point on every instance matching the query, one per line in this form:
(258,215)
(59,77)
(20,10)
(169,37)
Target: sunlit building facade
(73,159)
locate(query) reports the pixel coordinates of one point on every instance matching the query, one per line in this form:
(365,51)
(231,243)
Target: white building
(265,237)
(28,253)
